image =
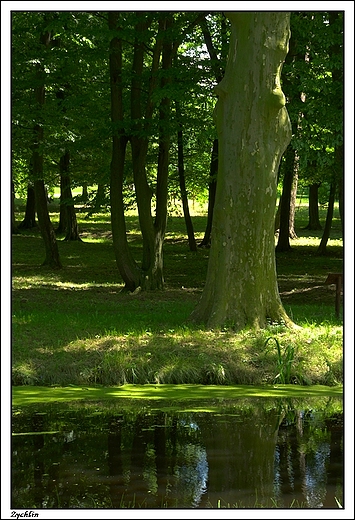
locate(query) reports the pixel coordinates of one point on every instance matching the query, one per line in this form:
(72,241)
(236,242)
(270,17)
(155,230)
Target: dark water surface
(249,453)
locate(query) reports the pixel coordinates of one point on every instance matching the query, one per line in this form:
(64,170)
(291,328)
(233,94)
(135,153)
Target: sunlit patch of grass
(74,326)
(24,374)
(190,356)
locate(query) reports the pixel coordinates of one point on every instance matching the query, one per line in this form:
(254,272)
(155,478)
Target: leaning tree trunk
(212,185)
(182,182)
(328,222)
(218,72)
(253,131)
(29,220)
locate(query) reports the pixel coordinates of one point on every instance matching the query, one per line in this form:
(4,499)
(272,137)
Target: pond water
(249,453)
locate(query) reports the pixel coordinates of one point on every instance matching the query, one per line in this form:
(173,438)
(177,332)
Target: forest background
(317,157)
(6,190)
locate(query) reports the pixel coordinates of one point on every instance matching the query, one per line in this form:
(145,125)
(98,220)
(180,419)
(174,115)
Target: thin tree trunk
(99,198)
(283,243)
(84,193)
(293,233)
(50,243)
(124,260)
(328,222)
(63,215)
(67,220)
(337,51)
(183,191)
(29,220)
(341,206)
(339,162)
(72,231)
(14,228)
(313,209)
(152,232)
(212,185)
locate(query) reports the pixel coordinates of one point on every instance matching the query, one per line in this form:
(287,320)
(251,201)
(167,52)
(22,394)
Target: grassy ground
(74,326)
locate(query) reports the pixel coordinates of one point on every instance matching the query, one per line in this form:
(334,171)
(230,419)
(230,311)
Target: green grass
(74,326)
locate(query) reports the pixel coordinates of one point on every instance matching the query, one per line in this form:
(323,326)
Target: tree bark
(29,220)
(253,132)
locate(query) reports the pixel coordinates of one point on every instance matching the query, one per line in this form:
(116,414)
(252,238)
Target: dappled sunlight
(75,326)
(181,356)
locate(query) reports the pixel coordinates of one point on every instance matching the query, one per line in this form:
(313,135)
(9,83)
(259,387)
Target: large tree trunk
(183,191)
(212,186)
(313,209)
(253,131)
(29,220)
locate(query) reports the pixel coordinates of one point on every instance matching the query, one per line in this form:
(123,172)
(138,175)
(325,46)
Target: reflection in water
(251,453)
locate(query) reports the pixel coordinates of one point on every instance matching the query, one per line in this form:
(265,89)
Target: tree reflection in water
(252,453)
